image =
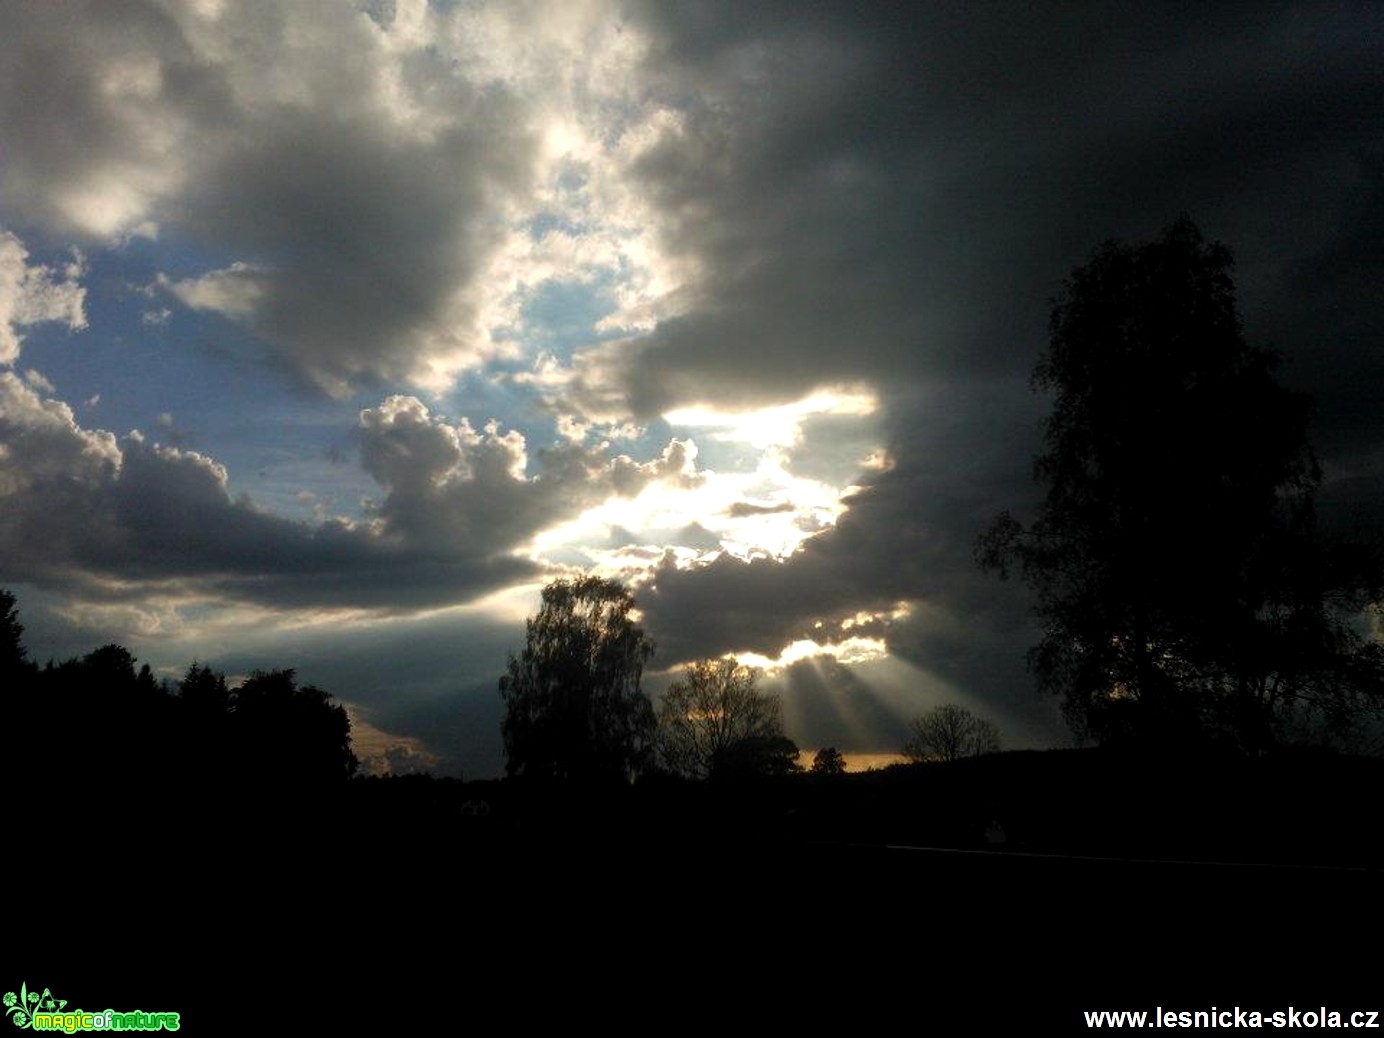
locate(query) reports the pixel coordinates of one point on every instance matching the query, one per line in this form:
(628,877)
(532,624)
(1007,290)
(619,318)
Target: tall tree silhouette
(14,660)
(204,702)
(573,706)
(713,718)
(1176,560)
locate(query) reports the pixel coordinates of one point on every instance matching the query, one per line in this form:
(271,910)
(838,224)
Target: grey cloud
(448,484)
(94,101)
(451,485)
(356,187)
(675,465)
(882,193)
(742,509)
(83,509)
(695,535)
(371,239)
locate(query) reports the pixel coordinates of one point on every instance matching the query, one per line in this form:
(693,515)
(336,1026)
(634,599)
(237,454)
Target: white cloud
(235,292)
(448,483)
(31,294)
(846,651)
(668,504)
(777,425)
(41,445)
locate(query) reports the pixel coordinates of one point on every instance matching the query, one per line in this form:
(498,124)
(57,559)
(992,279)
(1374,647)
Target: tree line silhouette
(98,719)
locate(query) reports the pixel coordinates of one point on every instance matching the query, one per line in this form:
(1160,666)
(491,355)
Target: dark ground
(392,907)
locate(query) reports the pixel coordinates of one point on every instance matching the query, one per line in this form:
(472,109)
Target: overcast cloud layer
(381,316)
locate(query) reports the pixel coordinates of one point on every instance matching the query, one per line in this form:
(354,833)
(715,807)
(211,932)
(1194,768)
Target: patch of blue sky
(303,481)
(139,370)
(142,259)
(547,222)
(480,400)
(130,351)
(195,380)
(572,179)
(559,317)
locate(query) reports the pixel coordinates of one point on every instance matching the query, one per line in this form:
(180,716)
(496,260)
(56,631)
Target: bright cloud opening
(848,651)
(779,425)
(767,512)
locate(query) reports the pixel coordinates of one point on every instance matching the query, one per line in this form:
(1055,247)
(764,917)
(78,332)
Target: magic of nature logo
(40,1011)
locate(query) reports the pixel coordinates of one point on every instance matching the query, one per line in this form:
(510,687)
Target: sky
(331,332)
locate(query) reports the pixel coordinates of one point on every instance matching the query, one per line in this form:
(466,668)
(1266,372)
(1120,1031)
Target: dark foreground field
(402,907)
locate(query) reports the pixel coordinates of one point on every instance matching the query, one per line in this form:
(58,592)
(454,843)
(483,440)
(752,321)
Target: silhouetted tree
(573,706)
(828,761)
(1179,574)
(204,692)
(758,756)
(706,716)
(14,660)
(285,733)
(950,732)
(22,712)
(205,703)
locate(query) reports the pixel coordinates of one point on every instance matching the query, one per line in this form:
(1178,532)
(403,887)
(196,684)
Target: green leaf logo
(18,1007)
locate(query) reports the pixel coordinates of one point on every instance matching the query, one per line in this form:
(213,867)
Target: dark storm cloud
(893,194)
(876,192)
(908,534)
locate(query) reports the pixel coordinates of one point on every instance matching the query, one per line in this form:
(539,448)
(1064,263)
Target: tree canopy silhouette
(950,732)
(1180,576)
(713,720)
(285,732)
(828,761)
(574,709)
